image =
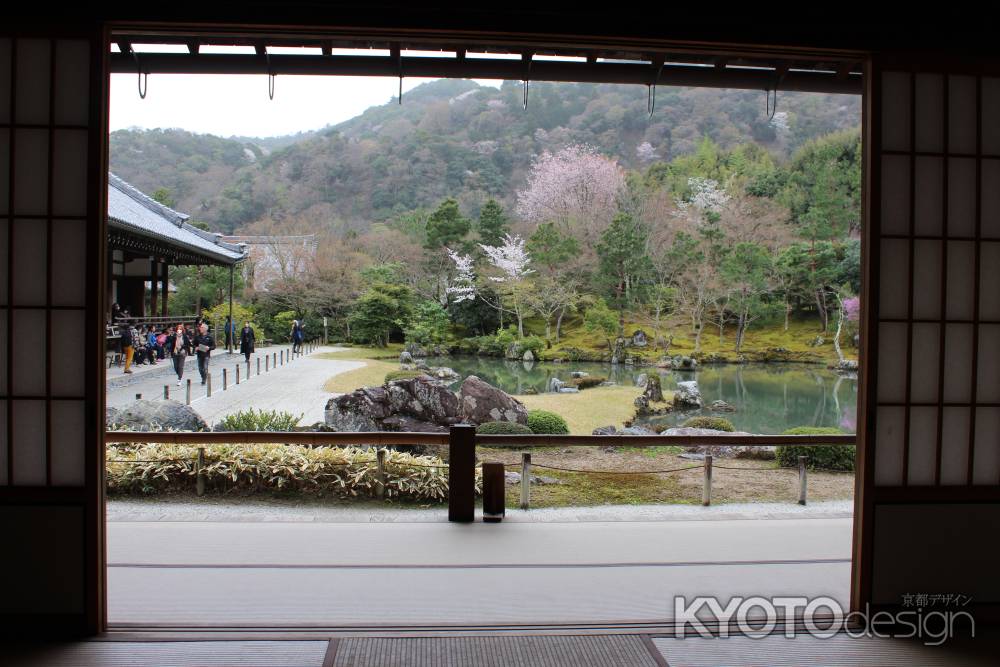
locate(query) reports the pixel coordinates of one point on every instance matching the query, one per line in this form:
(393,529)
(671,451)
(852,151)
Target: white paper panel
(3,442)
(33,70)
(889,447)
(896,111)
(990,195)
(958,363)
(28,362)
(923,446)
(4,170)
(68,381)
(69,262)
(961,114)
(991,116)
(986,456)
(988,378)
(892,353)
(31,178)
(927,279)
(955,446)
(30,262)
(72,82)
(961,280)
(4,80)
(4,259)
(895,194)
(69,173)
(924,364)
(894,278)
(3,351)
(989,281)
(29,443)
(928,197)
(930,112)
(961,197)
(68,445)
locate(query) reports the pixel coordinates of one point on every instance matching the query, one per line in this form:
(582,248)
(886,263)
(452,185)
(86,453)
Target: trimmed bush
(588,381)
(258,420)
(403,375)
(713,423)
(827,457)
(503,428)
(338,471)
(543,421)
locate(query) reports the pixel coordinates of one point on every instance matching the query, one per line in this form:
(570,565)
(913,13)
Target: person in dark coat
(204,343)
(179,345)
(247,340)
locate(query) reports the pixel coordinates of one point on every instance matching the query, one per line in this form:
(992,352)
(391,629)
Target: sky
(228,105)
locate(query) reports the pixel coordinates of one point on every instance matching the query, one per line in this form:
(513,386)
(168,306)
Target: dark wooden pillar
(154,269)
(166,287)
(462,473)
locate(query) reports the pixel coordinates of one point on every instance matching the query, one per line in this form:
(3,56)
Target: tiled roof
(136,212)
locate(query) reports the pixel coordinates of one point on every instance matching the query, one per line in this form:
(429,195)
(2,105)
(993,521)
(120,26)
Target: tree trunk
(788,311)
(840,328)
(697,337)
(559,319)
(824,315)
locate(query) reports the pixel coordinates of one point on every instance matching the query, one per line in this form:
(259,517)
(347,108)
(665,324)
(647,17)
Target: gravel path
(185,508)
(296,386)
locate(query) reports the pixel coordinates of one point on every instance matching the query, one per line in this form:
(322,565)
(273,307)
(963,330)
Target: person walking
(127,345)
(298,335)
(203,346)
(229,333)
(247,340)
(179,344)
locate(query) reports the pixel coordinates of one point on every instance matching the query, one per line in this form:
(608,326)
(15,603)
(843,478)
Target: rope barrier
(616,472)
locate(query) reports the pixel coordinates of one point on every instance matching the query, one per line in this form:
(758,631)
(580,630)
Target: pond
(768,398)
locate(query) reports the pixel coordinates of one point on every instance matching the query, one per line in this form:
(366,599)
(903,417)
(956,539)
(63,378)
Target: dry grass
(589,409)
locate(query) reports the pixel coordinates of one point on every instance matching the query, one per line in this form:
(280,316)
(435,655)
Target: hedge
(338,471)
(503,428)
(543,421)
(713,423)
(828,457)
(403,375)
(259,420)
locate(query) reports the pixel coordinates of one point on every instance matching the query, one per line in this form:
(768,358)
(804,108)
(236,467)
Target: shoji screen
(51,138)
(933,381)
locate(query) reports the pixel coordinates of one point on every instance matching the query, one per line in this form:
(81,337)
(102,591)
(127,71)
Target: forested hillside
(451,138)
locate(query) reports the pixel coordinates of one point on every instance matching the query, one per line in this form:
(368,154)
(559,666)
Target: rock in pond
(688,395)
(482,402)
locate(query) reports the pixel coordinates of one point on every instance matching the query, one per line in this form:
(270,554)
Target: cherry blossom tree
(576,185)
(510,263)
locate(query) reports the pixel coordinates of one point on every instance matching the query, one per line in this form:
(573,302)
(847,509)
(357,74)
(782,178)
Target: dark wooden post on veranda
(462,473)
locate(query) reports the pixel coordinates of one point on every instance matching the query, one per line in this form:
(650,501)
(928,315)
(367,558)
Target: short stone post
(802,480)
(199,468)
(187,393)
(380,474)
(274,359)
(248,369)
(525,480)
(258,366)
(706,492)
(267,363)
(166,392)
(237,373)
(224,380)
(208,387)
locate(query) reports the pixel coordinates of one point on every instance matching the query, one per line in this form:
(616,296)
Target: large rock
(688,395)
(416,404)
(415,351)
(158,415)
(405,358)
(482,402)
(528,356)
(653,391)
(555,384)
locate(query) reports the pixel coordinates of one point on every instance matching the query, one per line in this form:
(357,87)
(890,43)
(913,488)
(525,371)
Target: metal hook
(142,78)
(769,111)
(527,79)
(270,76)
(399,67)
(651,91)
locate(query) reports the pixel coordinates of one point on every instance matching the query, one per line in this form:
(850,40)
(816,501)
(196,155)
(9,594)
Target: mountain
(450,138)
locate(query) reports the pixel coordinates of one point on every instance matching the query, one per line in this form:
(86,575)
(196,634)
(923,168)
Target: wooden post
(802,480)
(187,394)
(267,363)
(462,473)
(706,492)
(166,392)
(274,359)
(494,492)
(237,373)
(380,474)
(248,369)
(525,480)
(258,366)
(224,379)
(138,397)
(199,468)
(282,357)
(208,390)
